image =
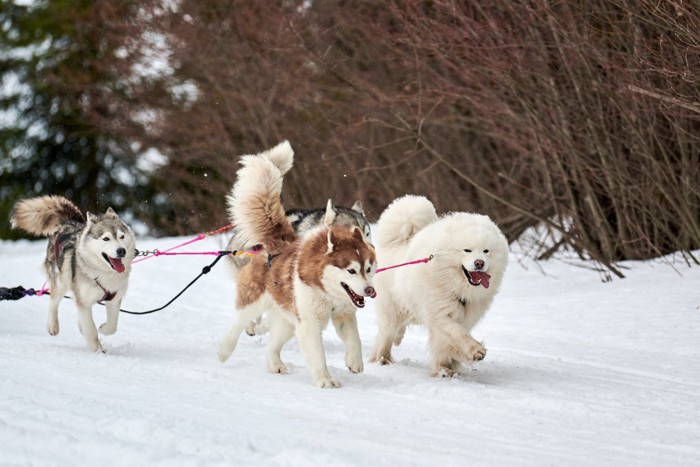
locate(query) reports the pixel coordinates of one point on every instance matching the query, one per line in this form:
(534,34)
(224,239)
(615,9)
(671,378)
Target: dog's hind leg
(346,327)
(382,351)
(388,324)
(60,281)
(281,331)
(243,316)
(400,333)
(57,292)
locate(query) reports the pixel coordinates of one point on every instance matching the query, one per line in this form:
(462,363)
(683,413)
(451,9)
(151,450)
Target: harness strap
(56,249)
(108,296)
(58,246)
(270,258)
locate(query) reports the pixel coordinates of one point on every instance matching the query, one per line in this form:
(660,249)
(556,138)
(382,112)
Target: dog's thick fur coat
(449,294)
(90,255)
(302,221)
(303,282)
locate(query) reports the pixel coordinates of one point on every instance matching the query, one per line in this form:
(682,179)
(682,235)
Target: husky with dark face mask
(90,255)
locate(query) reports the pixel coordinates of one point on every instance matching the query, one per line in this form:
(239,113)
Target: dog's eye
(106,239)
(368,270)
(121,237)
(466,250)
(352,271)
(486,251)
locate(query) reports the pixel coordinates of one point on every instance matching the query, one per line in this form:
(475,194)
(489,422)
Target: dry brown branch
(506,108)
(670,100)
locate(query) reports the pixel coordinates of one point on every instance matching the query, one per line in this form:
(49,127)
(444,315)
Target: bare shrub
(578,116)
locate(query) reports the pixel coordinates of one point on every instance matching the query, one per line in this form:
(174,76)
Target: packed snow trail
(578,372)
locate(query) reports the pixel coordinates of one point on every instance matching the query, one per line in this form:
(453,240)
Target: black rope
(15,293)
(205,270)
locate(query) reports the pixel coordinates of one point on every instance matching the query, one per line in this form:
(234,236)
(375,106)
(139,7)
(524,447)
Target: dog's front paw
(327,382)
(476,351)
(256,327)
(382,359)
(224,353)
(355,365)
(445,372)
(96,347)
(52,327)
(278,368)
(251,328)
(107,329)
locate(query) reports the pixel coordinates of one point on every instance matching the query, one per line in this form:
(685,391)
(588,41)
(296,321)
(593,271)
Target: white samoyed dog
(450,293)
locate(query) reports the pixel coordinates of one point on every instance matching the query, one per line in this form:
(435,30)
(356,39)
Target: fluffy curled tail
(43,215)
(281,155)
(402,219)
(254,203)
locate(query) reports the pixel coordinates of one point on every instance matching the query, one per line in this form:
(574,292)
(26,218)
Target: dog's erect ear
(90,218)
(110,212)
(330,214)
(357,233)
(357,207)
(330,242)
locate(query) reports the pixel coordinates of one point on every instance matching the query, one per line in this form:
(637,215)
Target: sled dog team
(318,266)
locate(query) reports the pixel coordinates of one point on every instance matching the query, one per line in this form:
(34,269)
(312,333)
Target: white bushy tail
(403,218)
(254,203)
(282,156)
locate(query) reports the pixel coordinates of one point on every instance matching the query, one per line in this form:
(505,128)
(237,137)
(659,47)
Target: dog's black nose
(121,252)
(479,264)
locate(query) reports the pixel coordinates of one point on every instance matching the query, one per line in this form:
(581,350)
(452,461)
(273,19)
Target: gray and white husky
(303,221)
(90,255)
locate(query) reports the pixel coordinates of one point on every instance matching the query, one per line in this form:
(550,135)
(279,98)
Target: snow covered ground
(578,372)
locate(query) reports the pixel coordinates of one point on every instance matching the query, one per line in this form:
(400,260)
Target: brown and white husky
(301,282)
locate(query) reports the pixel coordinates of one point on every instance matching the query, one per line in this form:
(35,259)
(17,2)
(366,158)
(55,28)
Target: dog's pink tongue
(117,264)
(483,277)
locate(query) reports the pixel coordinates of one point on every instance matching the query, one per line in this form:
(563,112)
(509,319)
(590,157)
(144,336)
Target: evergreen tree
(64,107)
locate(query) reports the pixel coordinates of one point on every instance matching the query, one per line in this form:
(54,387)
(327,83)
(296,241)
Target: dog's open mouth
(477,278)
(358,300)
(115,263)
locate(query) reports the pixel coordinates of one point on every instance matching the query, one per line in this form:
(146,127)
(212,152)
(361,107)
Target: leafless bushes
(581,117)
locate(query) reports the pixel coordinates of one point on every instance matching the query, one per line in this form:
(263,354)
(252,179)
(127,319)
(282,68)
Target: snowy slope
(578,372)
